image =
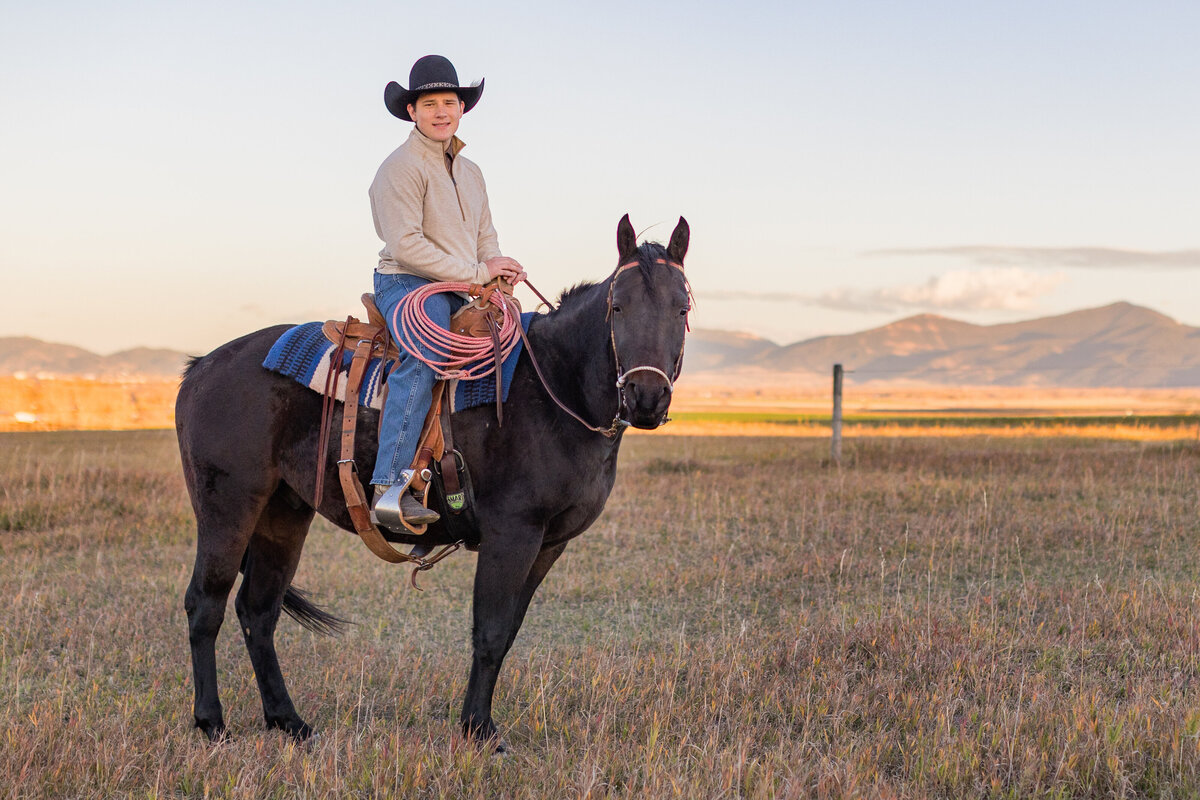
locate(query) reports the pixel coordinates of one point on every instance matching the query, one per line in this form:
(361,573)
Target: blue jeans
(410,382)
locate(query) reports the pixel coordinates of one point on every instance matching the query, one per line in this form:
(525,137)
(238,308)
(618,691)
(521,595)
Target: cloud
(1006,289)
(1057,257)
(997,289)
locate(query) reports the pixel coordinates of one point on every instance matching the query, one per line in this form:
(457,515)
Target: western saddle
(371,339)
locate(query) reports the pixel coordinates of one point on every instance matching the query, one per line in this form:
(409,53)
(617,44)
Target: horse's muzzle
(647,399)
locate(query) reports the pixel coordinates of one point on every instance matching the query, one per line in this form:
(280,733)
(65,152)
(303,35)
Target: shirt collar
(452,147)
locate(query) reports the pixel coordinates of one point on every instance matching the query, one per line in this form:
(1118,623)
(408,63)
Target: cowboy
(430,208)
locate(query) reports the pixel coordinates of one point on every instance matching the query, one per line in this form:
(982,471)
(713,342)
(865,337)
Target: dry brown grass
(951,617)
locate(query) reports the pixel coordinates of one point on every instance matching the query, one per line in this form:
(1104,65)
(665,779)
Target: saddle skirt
(304,353)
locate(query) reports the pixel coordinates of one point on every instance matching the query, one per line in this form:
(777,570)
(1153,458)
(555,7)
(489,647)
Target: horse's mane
(647,254)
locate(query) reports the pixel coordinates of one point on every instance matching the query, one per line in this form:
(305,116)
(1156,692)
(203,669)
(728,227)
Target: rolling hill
(23,355)
(1119,345)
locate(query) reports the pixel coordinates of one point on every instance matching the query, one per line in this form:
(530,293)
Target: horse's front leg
(541,565)
(506,576)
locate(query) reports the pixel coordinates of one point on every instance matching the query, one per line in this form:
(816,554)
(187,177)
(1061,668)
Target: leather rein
(375,343)
(618,424)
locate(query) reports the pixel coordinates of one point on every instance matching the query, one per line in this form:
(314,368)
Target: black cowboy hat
(429,74)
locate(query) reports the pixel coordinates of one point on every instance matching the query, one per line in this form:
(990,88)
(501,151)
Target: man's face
(437,114)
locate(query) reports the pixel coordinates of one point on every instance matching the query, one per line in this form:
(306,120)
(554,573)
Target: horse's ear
(626,240)
(677,249)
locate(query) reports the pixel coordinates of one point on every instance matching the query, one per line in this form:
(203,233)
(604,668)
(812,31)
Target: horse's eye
(616,309)
(683,312)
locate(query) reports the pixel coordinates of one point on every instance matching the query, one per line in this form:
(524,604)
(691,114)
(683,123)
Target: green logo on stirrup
(456,501)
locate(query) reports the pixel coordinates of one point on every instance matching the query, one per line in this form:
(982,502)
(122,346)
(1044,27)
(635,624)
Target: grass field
(953,616)
(924,423)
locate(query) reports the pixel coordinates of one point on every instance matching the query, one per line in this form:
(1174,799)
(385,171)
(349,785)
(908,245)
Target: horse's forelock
(648,255)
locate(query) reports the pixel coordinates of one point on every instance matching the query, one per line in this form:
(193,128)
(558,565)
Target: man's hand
(505,267)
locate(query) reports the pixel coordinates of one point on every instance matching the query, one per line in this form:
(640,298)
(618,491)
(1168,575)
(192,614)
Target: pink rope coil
(455,355)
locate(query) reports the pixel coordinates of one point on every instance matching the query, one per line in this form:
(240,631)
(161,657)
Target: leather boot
(396,501)
(414,512)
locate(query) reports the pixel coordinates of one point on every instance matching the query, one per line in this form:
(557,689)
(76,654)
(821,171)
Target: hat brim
(398,99)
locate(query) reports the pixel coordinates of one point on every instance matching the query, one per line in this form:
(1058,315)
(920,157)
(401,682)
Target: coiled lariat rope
(455,355)
(419,326)
(452,346)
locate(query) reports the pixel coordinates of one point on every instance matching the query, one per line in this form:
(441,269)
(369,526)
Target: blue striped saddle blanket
(303,353)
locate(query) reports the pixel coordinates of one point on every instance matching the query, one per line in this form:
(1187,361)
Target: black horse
(248,439)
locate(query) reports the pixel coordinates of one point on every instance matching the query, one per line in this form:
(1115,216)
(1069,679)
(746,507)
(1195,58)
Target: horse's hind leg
(270,565)
(223,530)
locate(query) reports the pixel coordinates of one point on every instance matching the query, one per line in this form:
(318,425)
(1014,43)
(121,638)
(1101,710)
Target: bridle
(622,377)
(618,422)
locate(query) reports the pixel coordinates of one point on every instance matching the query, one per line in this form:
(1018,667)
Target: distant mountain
(25,355)
(712,349)
(1120,345)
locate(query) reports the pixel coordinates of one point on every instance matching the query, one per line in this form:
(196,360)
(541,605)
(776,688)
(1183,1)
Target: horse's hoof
(488,739)
(485,736)
(297,728)
(216,732)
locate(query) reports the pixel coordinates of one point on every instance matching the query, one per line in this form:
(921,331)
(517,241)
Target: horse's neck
(574,348)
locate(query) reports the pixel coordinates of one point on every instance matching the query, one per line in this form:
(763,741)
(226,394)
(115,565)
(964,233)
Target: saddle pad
(303,353)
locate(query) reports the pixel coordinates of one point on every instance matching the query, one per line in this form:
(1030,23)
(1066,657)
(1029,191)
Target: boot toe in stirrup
(415,513)
(396,505)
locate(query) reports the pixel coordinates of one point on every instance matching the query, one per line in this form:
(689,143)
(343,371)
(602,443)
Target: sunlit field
(708,407)
(717,405)
(976,615)
(51,404)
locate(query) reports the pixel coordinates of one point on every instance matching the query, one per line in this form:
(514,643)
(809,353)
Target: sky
(178,174)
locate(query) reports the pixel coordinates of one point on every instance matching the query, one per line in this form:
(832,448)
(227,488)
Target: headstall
(617,423)
(622,377)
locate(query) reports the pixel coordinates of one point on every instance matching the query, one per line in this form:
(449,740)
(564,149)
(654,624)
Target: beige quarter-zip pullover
(430,208)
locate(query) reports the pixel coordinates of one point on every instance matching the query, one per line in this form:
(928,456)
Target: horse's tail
(310,615)
(306,612)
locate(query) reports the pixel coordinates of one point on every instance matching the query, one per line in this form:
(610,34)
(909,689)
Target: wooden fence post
(835,452)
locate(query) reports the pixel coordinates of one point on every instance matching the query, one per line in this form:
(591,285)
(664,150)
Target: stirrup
(388,509)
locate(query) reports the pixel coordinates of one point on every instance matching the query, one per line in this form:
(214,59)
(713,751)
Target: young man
(431,210)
